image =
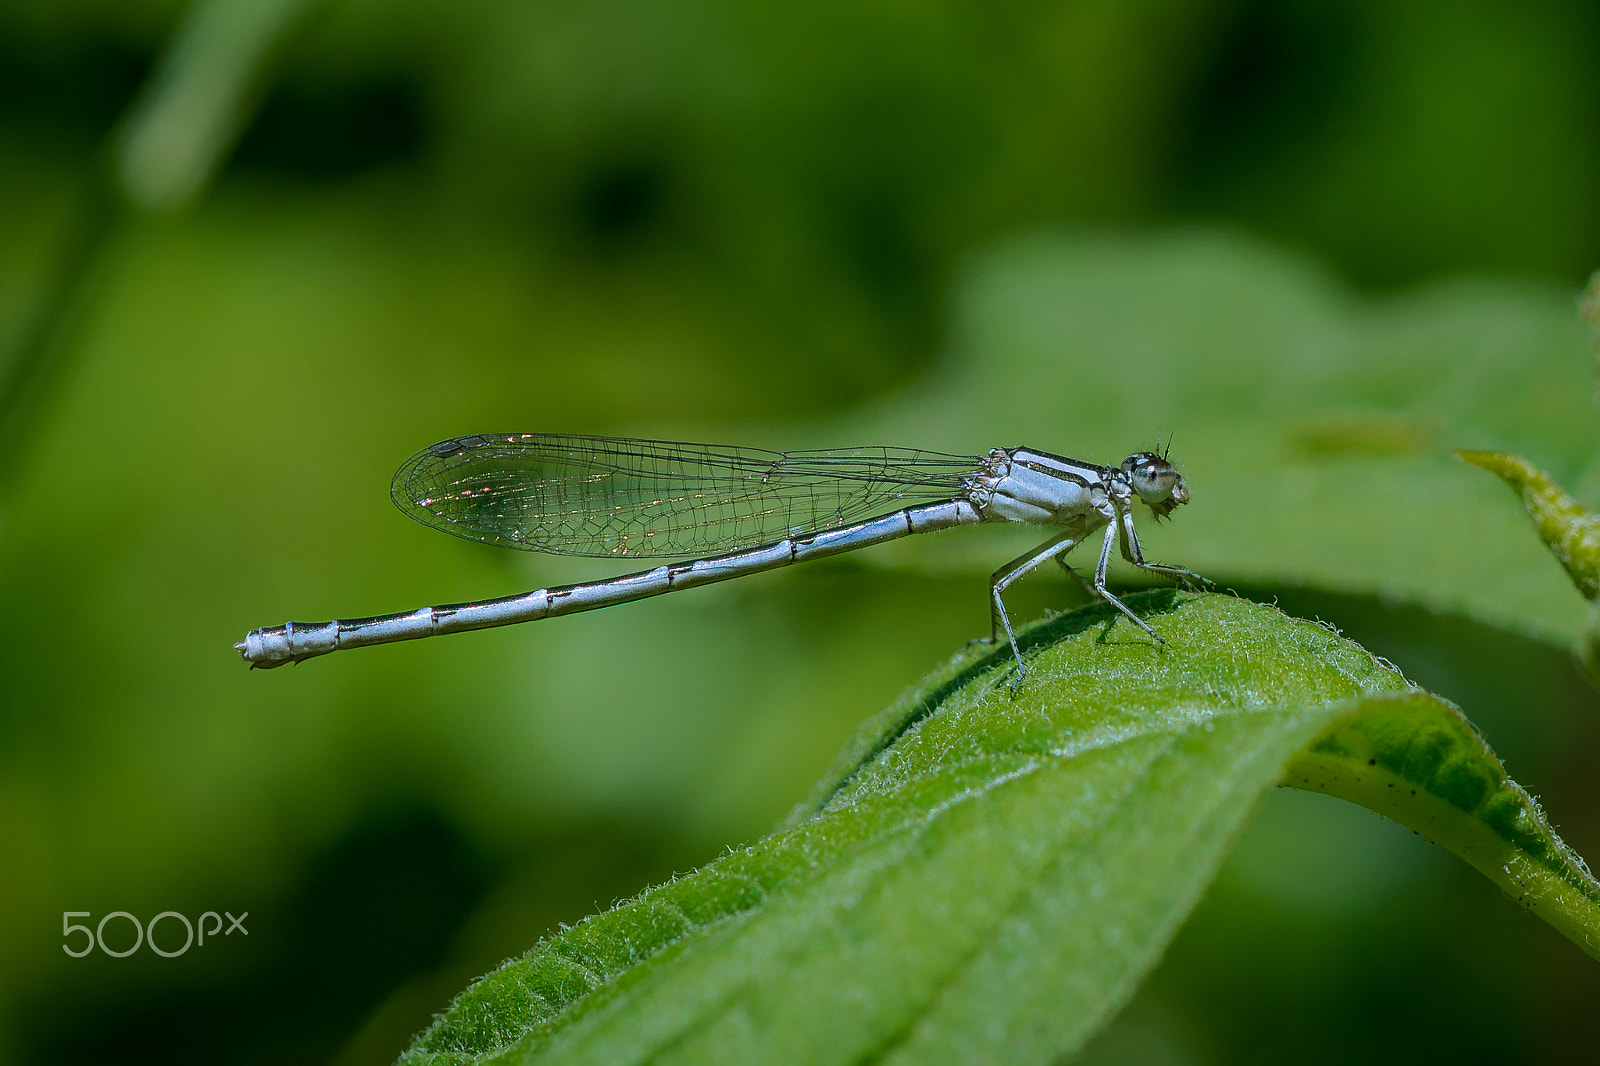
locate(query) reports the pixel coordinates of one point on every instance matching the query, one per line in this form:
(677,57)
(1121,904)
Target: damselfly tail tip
(251,655)
(252,650)
(252,660)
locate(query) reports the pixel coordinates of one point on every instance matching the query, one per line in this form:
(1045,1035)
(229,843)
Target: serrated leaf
(986,875)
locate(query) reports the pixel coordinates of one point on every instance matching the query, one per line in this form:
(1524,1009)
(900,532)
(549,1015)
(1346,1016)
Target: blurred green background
(253,253)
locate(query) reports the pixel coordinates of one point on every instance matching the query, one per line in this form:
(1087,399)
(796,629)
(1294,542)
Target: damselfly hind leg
(1002,579)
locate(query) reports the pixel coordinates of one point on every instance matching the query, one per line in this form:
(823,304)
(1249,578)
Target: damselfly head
(1156,481)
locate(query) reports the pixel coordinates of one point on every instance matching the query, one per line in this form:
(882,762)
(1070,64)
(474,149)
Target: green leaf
(986,875)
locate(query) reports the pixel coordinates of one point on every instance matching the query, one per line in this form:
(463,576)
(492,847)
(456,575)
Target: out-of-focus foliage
(781,227)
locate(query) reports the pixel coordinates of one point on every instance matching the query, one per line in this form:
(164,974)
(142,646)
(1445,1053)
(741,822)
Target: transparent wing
(604,496)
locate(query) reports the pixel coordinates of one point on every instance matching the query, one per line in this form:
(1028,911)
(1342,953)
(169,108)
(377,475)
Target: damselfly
(743,510)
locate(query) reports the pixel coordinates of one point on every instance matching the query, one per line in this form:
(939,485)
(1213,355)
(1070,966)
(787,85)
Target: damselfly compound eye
(1156,481)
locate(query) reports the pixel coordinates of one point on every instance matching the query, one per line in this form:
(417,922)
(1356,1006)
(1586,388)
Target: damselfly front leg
(1131,552)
